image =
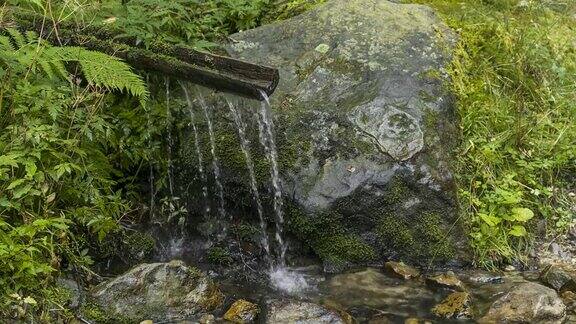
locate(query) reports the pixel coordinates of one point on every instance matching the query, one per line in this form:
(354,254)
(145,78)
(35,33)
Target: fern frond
(6,45)
(17,37)
(106,71)
(31,37)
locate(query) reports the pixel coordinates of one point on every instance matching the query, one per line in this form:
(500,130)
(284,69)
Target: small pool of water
(370,295)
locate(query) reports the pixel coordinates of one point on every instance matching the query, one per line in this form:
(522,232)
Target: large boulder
(527,303)
(364,129)
(159,291)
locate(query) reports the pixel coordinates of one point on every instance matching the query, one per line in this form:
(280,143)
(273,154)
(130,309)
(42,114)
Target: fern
(99,69)
(104,70)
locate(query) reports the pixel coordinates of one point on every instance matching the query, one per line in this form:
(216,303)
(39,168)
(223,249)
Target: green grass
(514,76)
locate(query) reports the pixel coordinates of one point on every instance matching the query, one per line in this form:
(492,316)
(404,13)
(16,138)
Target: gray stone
(160,292)
(292,311)
(559,279)
(364,126)
(527,303)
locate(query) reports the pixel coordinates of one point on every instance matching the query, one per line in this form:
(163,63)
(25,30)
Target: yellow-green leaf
(489,219)
(522,214)
(517,230)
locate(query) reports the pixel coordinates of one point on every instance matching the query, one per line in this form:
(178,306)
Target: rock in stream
(160,292)
(527,303)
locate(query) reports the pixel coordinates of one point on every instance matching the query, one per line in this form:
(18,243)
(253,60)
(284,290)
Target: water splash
(245,147)
(289,281)
(266,135)
(197,148)
(215,164)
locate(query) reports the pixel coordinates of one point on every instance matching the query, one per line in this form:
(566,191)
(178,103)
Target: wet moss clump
(418,239)
(328,238)
(246,232)
(219,256)
(96,314)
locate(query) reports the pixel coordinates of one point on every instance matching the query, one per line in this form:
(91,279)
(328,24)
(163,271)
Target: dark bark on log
(213,71)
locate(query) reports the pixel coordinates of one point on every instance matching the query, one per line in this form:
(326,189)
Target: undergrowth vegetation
(77,131)
(514,76)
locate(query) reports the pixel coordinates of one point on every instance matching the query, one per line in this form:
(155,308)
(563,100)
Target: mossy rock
(242,312)
(157,291)
(456,305)
(364,128)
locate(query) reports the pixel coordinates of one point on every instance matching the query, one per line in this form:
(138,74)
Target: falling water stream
(169,131)
(245,147)
(198,149)
(215,164)
(280,276)
(266,132)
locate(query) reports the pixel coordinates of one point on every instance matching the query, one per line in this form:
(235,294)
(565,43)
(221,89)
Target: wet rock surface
(527,303)
(364,128)
(401,270)
(456,305)
(293,311)
(446,280)
(159,291)
(241,312)
(560,278)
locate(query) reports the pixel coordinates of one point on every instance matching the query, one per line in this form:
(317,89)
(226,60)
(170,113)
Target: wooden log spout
(217,72)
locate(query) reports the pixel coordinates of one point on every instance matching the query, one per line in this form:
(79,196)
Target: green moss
(344,247)
(397,191)
(328,238)
(419,239)
(219,255)
(246,232)
(97,314)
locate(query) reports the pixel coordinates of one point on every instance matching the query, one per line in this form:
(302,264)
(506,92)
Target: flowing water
(198,149)
(169,132)
(245,147)
(266,132)
(215,164)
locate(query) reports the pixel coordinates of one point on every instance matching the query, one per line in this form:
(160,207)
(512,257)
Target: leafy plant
(56,181)
(514,74)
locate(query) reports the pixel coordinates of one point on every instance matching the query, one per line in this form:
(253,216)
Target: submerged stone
(456,305)
(372,289)
(293,311)
(401,270)
(241,312)
(527,303)
(446,280)
(160,292)
(364,129)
